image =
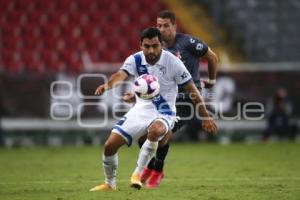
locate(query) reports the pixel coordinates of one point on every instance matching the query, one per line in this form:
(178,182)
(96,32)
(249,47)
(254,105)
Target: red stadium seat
(10,29)
(45,5)
(14,66)
(67,5)
(87,5)
(37,66)
(7,54)
(14,63)
(49,56)
(110,31)
(76,16)
(30,56)
(103,4)
(6,5)
(52,30)
(12,42)
(50,42)
(31,29)
(98,17)
(27,5)
(37,17)
(33,42)
(16,17)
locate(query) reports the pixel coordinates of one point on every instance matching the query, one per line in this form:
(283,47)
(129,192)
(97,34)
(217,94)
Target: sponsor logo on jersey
(192,40)
(184,75)
(199,46)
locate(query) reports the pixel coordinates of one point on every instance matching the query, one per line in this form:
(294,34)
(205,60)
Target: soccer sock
(151,164)
(152,161)
(146,153)
(110,165)
(160,157)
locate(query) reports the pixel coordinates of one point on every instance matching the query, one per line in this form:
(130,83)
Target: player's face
(167,29)
(152,49)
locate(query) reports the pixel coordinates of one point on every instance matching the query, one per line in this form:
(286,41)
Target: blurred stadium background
(43,41)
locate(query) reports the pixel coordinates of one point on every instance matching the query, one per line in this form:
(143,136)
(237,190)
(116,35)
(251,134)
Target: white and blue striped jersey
(170,72)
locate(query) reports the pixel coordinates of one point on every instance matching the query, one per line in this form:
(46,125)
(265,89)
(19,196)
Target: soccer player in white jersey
(153,118)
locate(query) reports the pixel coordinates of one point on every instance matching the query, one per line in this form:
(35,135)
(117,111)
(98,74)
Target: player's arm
(200,49)
(213,61)
(113,81)
(129,97)
(208,123)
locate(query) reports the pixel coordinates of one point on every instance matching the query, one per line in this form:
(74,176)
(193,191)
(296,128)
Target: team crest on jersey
(178,55)
(163,70)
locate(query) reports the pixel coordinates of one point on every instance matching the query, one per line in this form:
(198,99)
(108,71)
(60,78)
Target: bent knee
(156,130)
(110,148)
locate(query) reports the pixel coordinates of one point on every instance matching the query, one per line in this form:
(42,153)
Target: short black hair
(151,33)
(167,14)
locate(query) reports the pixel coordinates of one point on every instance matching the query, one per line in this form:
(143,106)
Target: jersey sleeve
(181,74)
(129,66)
(196,47)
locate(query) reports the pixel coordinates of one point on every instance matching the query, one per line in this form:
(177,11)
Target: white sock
(110,165)
(146,154)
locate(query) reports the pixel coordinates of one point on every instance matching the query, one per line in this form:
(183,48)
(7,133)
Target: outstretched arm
(113,81)
(208,123)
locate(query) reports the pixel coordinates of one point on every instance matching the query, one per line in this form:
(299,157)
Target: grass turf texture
(193,171)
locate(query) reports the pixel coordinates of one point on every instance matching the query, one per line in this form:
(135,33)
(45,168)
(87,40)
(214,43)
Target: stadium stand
(52,34)
(267,31)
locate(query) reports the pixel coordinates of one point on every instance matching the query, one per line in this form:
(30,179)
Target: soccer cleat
(155,179)
(135,181)
(103,187)
(146,174)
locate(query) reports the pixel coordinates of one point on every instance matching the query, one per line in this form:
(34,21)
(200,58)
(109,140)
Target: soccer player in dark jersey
(189,49)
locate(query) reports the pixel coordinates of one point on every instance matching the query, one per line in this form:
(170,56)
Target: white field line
(166,179)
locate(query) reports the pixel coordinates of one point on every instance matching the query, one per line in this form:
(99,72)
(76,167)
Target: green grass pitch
(193,171)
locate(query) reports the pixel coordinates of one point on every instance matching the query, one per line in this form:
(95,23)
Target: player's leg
(156,165)
(157,129)
(162,149)
(192,129)
(110,161)
(161,153)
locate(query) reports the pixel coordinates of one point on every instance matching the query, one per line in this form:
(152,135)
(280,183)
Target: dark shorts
(187,113)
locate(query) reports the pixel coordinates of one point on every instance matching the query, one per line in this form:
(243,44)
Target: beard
(152,58)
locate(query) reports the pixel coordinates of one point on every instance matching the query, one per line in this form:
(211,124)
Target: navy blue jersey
(189,49)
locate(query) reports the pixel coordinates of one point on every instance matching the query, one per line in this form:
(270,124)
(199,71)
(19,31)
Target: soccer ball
(146,86)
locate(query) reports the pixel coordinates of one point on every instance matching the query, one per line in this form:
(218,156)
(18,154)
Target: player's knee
(156,130)
(109,148)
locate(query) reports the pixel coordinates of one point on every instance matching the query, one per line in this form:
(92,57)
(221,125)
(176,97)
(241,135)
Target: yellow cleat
(103,187)
(135,181)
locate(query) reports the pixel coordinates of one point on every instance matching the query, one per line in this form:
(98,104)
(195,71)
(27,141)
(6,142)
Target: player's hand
(129,97)
(206,84)
(209,126)
(100,90)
